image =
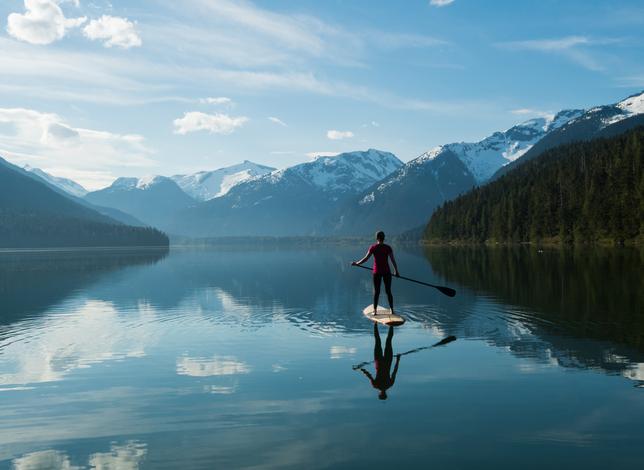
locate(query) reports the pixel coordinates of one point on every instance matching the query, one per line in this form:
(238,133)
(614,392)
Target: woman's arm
(393,261)
(366,257)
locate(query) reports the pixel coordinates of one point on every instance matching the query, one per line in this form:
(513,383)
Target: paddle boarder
(383,380)
(381,253)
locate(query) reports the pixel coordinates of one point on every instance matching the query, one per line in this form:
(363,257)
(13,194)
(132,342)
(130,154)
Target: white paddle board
(383,315)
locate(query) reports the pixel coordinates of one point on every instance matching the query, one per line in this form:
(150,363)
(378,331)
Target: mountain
(406,198)
(206,185)
(292,201)
(583,192)
(600,121)
(67,185)
(32,214)
(75,192)
(152,200)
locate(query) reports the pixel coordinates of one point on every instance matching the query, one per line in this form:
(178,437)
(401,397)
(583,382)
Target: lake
(260,358)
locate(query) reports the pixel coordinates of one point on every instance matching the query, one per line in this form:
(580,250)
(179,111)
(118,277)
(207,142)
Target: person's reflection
(384,379)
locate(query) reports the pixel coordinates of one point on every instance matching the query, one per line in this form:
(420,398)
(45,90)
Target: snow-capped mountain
(348,172)
(407,197)
(206,185)
(152,199)
(484,158)
(600,121)
(67,185)
(291,201)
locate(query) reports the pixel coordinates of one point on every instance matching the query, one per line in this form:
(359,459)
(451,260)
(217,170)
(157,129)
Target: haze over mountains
(351,194)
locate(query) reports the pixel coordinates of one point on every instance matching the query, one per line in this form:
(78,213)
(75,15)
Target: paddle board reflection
(384,379)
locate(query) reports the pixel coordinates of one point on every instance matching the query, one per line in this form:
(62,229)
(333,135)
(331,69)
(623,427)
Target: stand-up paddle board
(383,315)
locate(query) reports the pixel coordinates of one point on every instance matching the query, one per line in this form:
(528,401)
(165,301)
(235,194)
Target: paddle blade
(445,341)
(448,291)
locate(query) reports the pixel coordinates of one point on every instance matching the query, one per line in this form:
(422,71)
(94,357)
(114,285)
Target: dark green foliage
(32,215)
(37,230)
(583,192)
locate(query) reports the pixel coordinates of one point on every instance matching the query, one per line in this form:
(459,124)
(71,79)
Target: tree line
(584,192)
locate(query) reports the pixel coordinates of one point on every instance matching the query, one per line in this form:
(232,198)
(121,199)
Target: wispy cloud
(440,3)
(338,135)
(219,123)
(219,100)
(530,112)
(574,48)
(277,121)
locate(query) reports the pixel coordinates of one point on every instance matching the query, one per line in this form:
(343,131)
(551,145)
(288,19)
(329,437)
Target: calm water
(229,358)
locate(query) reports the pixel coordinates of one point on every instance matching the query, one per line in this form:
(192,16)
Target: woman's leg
(390,297)
(376,291)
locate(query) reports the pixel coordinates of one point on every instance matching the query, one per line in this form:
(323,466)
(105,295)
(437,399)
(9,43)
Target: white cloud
(440,3)
(277,121)
(339,135)
(114,30)
(219,100)
(42,23)
(45,140)
(219,123)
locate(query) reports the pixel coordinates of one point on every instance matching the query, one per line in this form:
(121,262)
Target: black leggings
(376,289)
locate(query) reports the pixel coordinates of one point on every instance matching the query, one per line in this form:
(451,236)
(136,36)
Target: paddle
(448,291)
(442,342)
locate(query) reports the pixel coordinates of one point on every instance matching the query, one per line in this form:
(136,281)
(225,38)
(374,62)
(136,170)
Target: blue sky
(95,89)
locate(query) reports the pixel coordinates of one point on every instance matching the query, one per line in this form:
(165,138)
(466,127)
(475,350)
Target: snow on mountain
(206,185)
(348,172)
(485,157)
(625,109)
(67,185)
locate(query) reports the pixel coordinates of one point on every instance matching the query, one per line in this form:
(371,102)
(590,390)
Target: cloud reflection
(59,344)
(214,366)
(122,457)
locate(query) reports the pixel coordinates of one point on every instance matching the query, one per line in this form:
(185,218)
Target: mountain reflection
(32,282)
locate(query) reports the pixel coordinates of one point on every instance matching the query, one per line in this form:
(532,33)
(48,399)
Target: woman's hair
(380,235)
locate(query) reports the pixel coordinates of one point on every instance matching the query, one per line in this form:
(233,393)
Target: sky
(93,90)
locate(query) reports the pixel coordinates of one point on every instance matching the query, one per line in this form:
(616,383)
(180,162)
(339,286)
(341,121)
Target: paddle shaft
(442,342)
(445,290)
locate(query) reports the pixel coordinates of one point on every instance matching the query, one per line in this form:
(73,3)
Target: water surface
(248,358)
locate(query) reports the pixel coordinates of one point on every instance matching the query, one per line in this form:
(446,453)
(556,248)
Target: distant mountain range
(292,201)
(34,214)
(153,200)
(351,194)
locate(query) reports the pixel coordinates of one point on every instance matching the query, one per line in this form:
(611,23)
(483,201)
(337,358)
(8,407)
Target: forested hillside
(582,192)
(34,215)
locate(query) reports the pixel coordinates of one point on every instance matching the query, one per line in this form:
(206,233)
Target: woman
(381,253)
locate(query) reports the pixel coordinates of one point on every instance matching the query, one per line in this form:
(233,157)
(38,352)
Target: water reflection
(127,456)
(384,378)
(577,308)
(242,359)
